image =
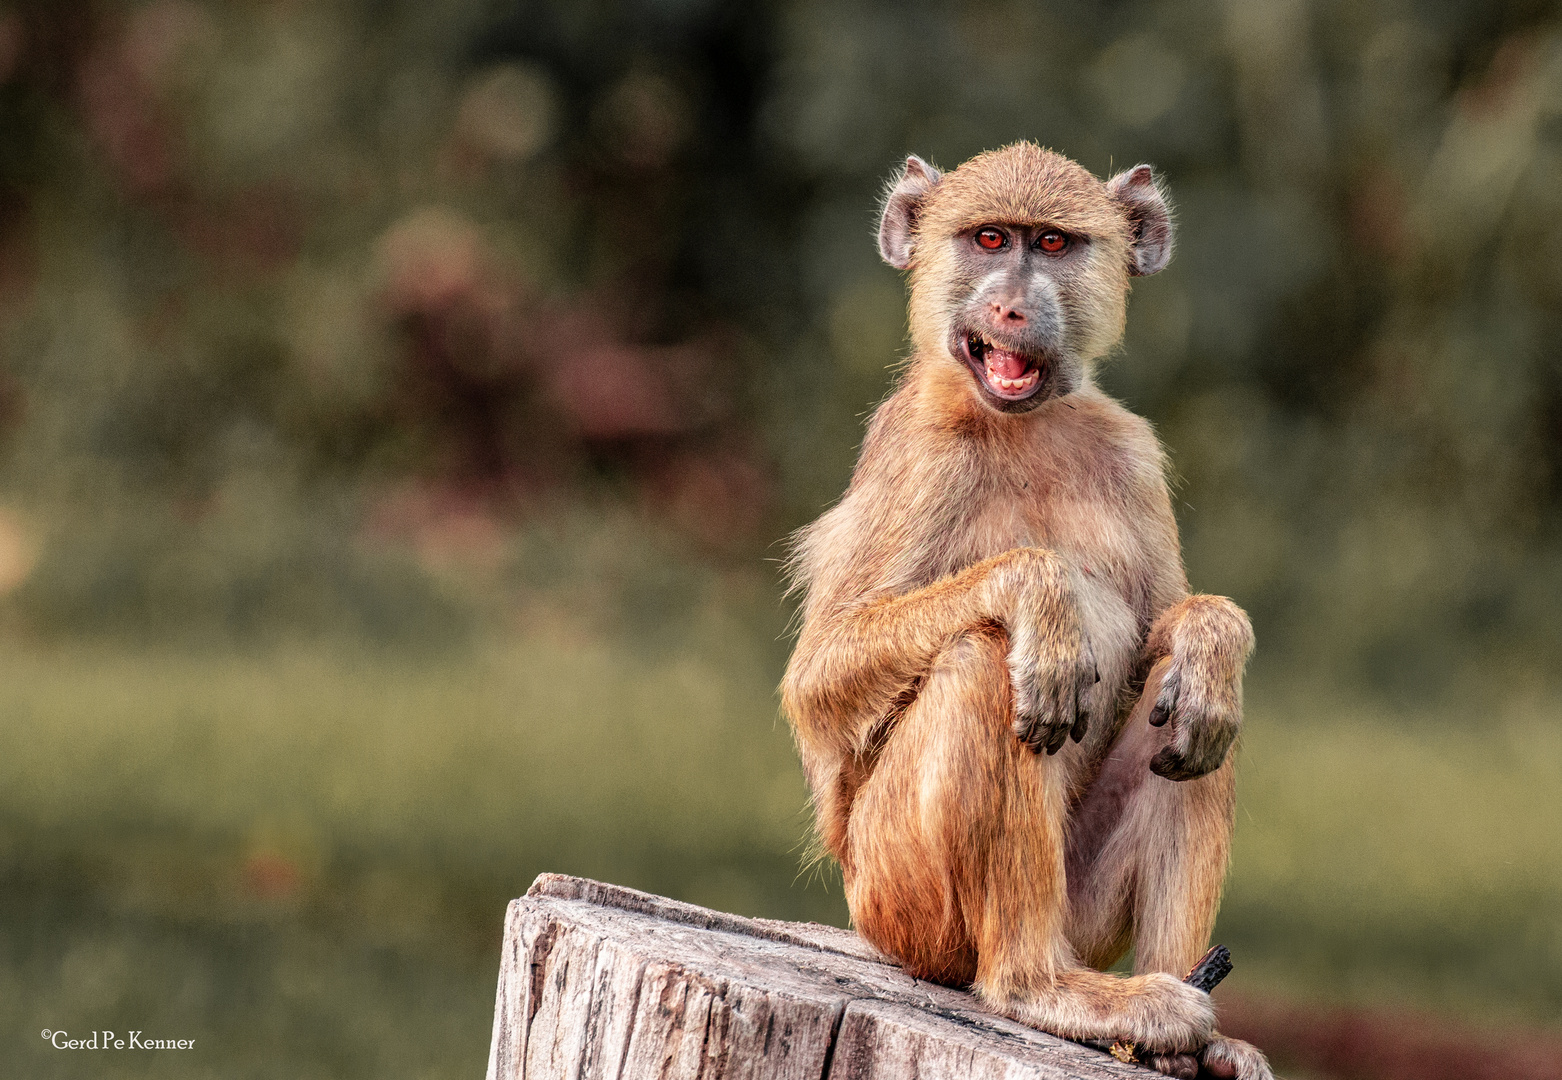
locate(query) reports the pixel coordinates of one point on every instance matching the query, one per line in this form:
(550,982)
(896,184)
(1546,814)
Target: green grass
(300,857)
(1410,860)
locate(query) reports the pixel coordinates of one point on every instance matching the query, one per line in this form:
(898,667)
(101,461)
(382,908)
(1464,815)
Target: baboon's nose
(1006,311)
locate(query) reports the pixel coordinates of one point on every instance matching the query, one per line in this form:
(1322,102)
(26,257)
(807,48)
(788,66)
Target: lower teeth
(980,350)
(1011,384)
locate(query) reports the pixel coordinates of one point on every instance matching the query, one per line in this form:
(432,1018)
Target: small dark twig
(1208,972)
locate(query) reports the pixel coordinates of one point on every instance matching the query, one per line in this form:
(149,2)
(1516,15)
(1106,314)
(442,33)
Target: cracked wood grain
(598,982)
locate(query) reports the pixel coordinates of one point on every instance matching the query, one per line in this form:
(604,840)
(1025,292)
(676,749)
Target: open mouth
(1006,374)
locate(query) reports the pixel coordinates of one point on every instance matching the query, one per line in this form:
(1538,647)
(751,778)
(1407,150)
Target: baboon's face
(1012,328)
(1020,263)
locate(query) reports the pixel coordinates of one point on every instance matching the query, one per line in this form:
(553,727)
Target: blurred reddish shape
(644,119)
(257,229)
(271,876)
(13,40)
(157,34)
(447,528)
(518,393)
(18,247)
(1504,77)
(1378,208)
(124,121)
(719,496)
(442,283)
(1381,1044)
(120,86)
(609,392)
(615,391)
(431,260)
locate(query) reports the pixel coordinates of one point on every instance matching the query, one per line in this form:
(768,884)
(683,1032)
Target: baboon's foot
(1157,1013)
(1182,1066)
(1228,1059)
(1233,1059)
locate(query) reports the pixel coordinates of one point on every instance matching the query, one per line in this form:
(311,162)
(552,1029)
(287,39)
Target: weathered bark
(603,983)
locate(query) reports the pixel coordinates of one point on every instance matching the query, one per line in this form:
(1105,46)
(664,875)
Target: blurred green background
(401,405)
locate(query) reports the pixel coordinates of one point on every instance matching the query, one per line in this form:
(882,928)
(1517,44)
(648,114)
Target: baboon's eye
(991,239)
(1052,242)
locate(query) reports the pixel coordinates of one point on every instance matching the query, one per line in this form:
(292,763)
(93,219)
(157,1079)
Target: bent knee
(969,683)
(919,927)
(975,652)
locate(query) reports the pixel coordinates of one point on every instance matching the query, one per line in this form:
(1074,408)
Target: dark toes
(1219,1067)
(1081,725)
(1182,1066)
(1159,715)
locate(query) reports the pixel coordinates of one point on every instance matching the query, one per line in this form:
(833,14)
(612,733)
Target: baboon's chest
(1094,534)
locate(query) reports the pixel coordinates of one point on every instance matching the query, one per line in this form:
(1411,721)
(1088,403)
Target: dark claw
(1159,715)
(1055,739)
(1097,672)
(1081,714)
(1170,764)
(1057,735)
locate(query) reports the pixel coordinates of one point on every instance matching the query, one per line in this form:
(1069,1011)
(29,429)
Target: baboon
(1015,720)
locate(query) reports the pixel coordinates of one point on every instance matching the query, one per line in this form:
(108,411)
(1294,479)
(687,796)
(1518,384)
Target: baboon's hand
(1200,693)
(1052,694)
(1051,664)
(1203,727)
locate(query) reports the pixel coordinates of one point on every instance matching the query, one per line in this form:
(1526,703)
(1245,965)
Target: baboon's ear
(1149,215)
(902,206)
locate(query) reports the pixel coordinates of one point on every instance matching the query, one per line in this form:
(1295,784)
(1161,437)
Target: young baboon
(1003,577)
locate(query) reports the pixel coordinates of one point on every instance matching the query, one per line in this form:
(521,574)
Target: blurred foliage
(295,295)
(399,404)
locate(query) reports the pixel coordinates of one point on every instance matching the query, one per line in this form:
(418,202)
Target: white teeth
(982,349)
(1024,382)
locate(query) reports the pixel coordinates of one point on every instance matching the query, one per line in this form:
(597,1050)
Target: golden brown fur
(988,574)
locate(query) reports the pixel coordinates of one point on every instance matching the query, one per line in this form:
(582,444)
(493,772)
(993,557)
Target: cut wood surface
(599,982)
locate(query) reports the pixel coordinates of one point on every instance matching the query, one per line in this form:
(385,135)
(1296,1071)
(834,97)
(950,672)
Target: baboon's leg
(1147,856)
(955,864)
(955,839)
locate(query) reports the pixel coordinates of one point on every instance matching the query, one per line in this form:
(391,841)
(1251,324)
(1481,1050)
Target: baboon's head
(1019,264)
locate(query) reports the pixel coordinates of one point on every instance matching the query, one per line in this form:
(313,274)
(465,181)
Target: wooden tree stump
(603,983)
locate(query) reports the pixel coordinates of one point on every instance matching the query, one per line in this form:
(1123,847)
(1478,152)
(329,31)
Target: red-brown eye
(991,239)
(1052,242)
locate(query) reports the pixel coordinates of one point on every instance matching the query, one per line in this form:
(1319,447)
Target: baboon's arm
(855,659)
